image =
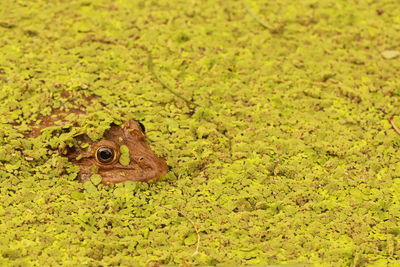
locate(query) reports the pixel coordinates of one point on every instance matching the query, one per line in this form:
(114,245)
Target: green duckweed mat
(271,114)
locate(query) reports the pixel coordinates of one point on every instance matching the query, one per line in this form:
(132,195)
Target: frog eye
(105,155)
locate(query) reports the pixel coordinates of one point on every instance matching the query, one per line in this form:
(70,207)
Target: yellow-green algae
(286,157)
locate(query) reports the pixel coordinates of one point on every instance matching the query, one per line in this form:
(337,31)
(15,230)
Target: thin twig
(258,19)
(150,66)
(397,130)
(194,226)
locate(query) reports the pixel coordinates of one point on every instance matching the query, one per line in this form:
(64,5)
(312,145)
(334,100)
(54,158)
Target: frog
(123,154)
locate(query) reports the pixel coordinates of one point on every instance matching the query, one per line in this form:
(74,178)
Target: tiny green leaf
(124,159)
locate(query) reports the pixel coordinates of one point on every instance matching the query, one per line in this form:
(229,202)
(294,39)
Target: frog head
(122,155)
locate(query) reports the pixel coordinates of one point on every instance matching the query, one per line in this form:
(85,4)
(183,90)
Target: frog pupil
(105,154)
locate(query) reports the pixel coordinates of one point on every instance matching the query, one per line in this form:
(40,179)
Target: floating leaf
(96,179)
(124,159)
(77,195)
(390,54)
(190,239)
(90,187)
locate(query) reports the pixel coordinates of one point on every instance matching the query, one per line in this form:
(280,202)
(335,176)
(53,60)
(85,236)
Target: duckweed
(283,155)
(124,158)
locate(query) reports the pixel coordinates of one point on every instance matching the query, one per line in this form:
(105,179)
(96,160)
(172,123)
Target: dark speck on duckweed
(277,137)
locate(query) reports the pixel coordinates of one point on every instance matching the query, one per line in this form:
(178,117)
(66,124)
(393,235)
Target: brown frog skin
(104,155)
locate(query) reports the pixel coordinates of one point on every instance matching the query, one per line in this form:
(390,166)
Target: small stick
(265,25)
(397,130)
(150,66)
(194,226)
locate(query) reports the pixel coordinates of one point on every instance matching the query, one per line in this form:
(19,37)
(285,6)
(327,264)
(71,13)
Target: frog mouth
(119,173)
(134,173)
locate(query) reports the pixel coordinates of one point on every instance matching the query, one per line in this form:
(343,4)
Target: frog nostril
(139,159)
